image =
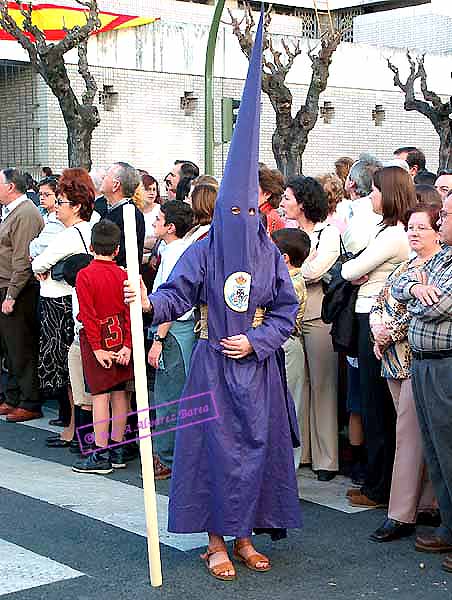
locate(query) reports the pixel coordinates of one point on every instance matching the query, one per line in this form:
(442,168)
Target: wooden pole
(141,388)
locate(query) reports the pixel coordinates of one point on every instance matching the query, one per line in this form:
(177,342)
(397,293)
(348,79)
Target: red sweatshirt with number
(105,317)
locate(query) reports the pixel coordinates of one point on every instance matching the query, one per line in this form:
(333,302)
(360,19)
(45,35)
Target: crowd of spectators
(384,227)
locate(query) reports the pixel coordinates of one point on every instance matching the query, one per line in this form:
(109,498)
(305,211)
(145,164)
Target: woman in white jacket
(393,194)
(74,209)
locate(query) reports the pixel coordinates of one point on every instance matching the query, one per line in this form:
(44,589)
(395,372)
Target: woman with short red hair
(74,206)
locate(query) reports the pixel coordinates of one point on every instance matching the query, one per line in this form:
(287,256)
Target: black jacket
(115,214)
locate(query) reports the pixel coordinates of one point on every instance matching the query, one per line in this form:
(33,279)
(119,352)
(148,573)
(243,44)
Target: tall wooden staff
(141,388)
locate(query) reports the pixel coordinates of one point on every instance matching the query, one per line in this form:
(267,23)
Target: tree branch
(444,108)
(10,26)
(308,113)
(245,37)
(77,34)
(417,71)
(38,35)
(83,68)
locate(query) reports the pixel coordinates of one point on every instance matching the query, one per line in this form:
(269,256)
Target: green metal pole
(208,90)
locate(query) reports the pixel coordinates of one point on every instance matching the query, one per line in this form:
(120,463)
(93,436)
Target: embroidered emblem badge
(237,291)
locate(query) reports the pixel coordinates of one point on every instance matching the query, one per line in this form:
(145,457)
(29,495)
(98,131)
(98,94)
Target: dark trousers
(19,336)
(379,417)
(432,390)
(168,387)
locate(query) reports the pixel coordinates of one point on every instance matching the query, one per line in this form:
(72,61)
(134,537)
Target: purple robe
(235,473)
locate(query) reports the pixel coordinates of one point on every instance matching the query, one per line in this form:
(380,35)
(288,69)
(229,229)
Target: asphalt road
(58,542)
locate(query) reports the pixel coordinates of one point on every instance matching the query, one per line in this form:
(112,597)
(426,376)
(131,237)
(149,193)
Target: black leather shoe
(325,475)
(392,530)
(57,423)
(57,443)
(429,518)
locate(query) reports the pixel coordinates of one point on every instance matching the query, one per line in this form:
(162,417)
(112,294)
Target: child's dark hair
(179,214)
(293,242)
(105,237)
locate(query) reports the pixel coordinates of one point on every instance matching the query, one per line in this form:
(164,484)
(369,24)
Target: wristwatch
(158,338)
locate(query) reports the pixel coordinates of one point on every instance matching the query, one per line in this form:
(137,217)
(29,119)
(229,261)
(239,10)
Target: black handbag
(335,271)
(338,305)
(67,268)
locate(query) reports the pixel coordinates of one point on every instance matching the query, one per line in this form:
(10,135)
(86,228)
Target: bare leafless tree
(47,59)
(291,133)
(432,107)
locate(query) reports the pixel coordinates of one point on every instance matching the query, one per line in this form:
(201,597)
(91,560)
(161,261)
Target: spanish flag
(52,19)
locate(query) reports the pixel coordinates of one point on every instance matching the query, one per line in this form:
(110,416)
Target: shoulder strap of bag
(319,236)
(83,241)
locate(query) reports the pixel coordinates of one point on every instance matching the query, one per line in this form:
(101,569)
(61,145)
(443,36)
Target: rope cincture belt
(202,329)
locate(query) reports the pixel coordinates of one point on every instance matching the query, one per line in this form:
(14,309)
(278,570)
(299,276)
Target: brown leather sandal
(252,560)
(223,567)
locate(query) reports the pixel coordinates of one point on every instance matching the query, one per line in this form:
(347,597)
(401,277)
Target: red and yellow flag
(52,19)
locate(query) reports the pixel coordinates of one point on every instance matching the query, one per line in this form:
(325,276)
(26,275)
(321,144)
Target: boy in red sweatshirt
(105,343)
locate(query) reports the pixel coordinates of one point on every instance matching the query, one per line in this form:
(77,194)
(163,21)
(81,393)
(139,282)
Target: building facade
(151,97)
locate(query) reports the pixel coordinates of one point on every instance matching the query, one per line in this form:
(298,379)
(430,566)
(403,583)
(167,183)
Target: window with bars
(309,27)
(344,22)
(19,131)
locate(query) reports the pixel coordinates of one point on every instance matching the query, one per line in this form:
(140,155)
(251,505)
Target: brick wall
(149,129)
(430,33)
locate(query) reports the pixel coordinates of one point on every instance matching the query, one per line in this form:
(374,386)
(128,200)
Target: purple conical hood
(237,239)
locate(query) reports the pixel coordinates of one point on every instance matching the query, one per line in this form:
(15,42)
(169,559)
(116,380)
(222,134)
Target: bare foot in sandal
(245,551)
(217,559)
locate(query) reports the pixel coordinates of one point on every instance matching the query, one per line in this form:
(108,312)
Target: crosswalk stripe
(330,494)
(21,569)
(100,498)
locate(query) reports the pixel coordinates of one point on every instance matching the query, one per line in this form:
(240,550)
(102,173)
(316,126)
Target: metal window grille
(19,132)
(344,22)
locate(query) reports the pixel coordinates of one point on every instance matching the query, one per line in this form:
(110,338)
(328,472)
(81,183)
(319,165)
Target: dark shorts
(121,387)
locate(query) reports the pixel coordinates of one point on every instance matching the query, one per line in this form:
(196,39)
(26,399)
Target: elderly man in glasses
(429,299)
(443,183)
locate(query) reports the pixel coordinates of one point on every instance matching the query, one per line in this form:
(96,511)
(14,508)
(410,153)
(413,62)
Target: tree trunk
(79,135)
(80,119)
(289,142)
(288,152)
(445,146)
(291,135)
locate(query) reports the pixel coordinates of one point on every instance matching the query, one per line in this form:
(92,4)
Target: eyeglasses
(443,188)
(59,202)
(413,228)
(46,194)
(445,172)
(443,214)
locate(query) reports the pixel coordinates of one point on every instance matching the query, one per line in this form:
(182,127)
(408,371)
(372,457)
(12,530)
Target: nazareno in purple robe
(235,473)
